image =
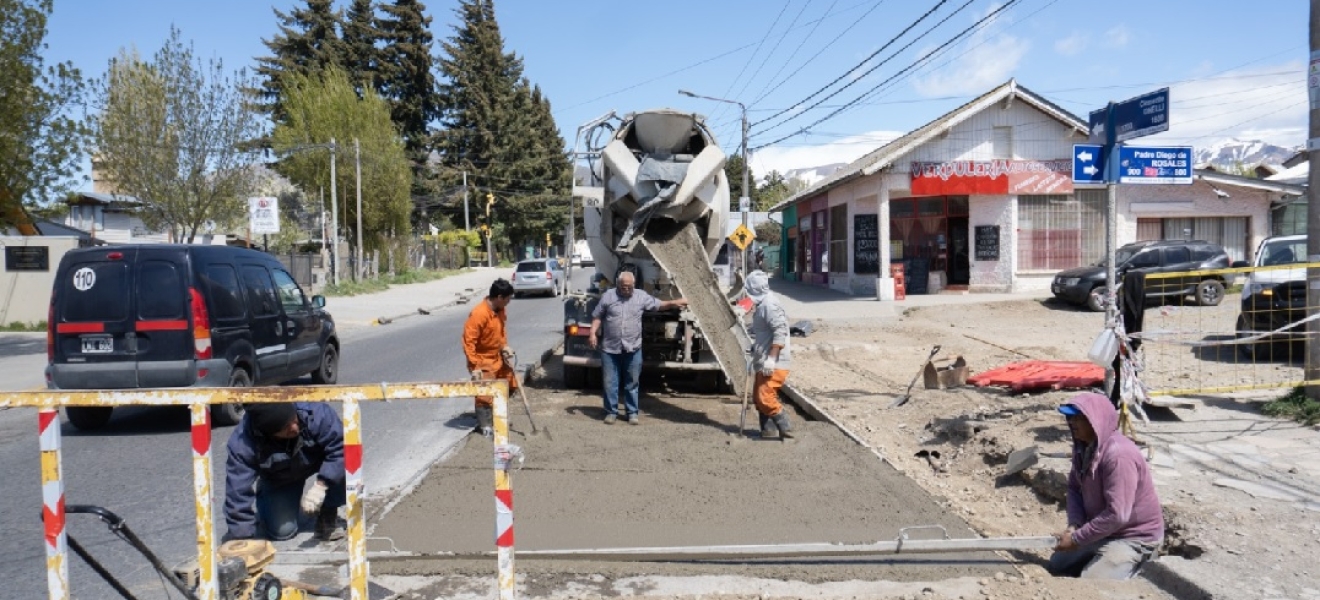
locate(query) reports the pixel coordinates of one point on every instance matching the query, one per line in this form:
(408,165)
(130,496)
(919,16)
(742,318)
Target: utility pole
(745,201)
(1313,208)
(467,225)
(357,160)
(334,216)
(490,229)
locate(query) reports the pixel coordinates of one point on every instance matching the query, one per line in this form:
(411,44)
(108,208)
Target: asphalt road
(139,466)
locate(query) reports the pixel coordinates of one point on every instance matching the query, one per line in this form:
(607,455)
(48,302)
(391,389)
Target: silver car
(538,276)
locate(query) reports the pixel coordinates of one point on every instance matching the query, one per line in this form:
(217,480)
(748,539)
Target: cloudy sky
(826,80)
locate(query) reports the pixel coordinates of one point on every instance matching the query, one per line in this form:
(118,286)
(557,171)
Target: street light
(744,202)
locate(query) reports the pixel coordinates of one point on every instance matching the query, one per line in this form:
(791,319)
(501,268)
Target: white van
(582,254)
(1276,251)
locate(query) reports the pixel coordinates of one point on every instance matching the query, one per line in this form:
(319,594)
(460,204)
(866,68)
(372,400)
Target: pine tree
(362,54)
(307,43)
(406,78)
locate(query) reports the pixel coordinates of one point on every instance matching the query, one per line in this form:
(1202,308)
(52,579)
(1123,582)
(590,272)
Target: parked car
(582,254)
(164,316)
(1086,285)
(1273,298)
(538,276)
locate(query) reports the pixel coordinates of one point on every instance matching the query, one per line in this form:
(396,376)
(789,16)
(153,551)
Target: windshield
(1124,254)
(1282,252)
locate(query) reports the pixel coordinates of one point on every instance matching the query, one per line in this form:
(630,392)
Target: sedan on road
(539,276)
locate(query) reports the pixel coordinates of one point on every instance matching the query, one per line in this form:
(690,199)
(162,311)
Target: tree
(41,140)
(499,129)
(733,167)
(171,133)
(406,79)
(776,189)
(362,56)
(308,42)
(325,106)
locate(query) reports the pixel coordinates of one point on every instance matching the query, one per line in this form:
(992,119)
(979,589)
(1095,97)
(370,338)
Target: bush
(1294,405)
(21,326)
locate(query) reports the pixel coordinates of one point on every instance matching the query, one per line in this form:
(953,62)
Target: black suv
(159,316)
(1086,285)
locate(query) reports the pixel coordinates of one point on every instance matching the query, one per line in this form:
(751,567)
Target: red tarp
(1041,374)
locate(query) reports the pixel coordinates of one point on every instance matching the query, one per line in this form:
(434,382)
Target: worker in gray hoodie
(1115,524)
(770,355)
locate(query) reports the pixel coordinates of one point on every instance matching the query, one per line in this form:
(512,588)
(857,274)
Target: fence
(200,400)
(303,266)
(1248,340)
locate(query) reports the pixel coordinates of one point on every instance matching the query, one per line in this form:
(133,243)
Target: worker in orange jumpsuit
(487,347)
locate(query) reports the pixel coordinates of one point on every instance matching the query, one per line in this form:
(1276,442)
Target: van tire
(88,418)
(1209,292)
(229,414)
(327,372)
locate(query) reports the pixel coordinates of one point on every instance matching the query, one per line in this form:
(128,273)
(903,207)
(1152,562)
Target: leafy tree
(362,56)
(406,74)
(733,167)
(41,141)
(499,129)
(325,106)
(776,189)
(308,42)
(170,132)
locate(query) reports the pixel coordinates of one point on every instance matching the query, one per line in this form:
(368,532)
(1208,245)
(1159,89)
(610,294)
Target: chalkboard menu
(27,258)
(866,244)
(987,242)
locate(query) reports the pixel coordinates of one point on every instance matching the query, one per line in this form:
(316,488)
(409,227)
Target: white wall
(993,276)
(25,295)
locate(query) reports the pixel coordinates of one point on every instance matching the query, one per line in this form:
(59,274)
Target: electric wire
(734,81)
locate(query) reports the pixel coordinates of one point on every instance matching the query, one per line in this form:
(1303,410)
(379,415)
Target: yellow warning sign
(742,237)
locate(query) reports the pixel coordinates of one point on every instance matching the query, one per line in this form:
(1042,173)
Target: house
(112,218)
(982,199)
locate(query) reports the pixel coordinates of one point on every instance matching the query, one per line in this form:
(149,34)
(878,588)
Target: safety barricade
(200,400)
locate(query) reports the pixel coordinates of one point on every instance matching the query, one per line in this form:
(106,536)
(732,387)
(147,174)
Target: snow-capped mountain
(1227,154)
(812,175)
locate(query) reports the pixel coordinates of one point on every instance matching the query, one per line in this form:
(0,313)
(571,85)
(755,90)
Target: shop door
(960,266)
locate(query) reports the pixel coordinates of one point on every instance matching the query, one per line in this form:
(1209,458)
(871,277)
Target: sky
(824,81)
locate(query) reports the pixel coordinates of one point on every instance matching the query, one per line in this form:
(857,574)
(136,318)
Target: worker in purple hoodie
(1115,523)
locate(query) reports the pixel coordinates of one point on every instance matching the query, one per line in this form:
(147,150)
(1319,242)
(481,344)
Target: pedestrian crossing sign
(742,237)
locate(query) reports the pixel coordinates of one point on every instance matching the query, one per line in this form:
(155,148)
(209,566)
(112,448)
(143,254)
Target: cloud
(979,63)
(1117,37)
(784,158)
(1072,45)
(1267,103)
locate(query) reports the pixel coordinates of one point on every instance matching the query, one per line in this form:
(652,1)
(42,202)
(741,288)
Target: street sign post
(742,237)
(1133,118)
(1155,165)
(264,214)
(1088,163)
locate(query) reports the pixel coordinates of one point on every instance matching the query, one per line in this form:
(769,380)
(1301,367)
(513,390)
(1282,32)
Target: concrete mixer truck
(656,203)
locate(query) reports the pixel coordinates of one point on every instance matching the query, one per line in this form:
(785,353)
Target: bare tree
(175,133)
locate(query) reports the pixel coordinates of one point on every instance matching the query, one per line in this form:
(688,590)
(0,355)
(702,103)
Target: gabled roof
(1268,185)
(885,155)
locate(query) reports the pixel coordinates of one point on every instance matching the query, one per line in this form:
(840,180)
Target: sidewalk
(805,301)
(401,301)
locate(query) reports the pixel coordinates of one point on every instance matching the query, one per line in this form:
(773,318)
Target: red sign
(992,177)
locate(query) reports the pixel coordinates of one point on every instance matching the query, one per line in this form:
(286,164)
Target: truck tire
(223,415)
(575,378)
(88,418)
(1209,292)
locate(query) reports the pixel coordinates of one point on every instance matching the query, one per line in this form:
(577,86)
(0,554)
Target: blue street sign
(1088,163)
(1134,117)
(1166,164)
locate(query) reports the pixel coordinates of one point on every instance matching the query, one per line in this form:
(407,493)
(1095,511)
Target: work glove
(477,375)
(768,366)
(313,498)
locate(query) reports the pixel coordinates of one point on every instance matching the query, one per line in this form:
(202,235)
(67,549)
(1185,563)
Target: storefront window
(930,207)
(904,208)
(839,239)
(957,206)
(1060,232)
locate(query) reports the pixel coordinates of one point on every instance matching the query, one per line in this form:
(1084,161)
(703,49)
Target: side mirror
(318,301)
(1240,264)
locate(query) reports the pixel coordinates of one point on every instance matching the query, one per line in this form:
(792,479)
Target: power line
(779,41)
(864,61)
(915,64)
(720,109)
(765,93)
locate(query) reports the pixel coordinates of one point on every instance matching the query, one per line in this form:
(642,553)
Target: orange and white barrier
(52,505)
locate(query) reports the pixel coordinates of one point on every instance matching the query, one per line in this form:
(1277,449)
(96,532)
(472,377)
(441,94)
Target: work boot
(486,421)
(781,421)
(327,527)
(768,428)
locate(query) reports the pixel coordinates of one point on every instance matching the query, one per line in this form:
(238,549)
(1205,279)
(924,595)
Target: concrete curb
(421,311)
(810,407)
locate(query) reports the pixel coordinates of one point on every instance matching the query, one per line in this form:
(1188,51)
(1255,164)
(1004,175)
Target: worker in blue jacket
(272,452)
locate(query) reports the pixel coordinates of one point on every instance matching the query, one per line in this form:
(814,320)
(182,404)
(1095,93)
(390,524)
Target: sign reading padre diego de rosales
(992,177)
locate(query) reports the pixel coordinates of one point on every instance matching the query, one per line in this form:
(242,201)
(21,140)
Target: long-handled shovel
(512,364)
(908,394)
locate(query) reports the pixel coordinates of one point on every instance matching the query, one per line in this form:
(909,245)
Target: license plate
(98,345)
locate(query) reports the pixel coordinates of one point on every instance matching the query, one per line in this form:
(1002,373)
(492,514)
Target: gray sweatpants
(1105,559)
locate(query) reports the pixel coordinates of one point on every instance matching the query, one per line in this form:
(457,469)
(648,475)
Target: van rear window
(160,292)
(94,291)
(531,267)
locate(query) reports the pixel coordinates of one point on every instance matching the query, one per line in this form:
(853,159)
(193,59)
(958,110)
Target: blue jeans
(630,365)
(279,507)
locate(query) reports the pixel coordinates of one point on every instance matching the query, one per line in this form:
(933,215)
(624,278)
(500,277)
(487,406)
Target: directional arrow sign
(1087,164)
(1165,164)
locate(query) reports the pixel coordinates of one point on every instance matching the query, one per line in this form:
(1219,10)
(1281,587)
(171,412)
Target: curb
(810,407)
(421,310)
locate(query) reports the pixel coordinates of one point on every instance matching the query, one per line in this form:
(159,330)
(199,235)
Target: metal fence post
(52,505)
(357,532)
(503,497)
(207,588)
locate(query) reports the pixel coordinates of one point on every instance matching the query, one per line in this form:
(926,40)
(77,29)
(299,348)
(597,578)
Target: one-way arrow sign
(1088,164)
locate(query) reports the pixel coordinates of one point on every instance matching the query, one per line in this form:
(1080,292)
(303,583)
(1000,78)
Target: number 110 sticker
(84,279)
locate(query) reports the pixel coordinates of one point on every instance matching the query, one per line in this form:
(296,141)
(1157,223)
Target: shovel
(908,394)
(512,364)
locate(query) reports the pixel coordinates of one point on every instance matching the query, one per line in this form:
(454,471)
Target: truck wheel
(229,414)
(1209,292)
(1096,299)
(575,378)
(1247,351)
(88,418)
(328,371)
